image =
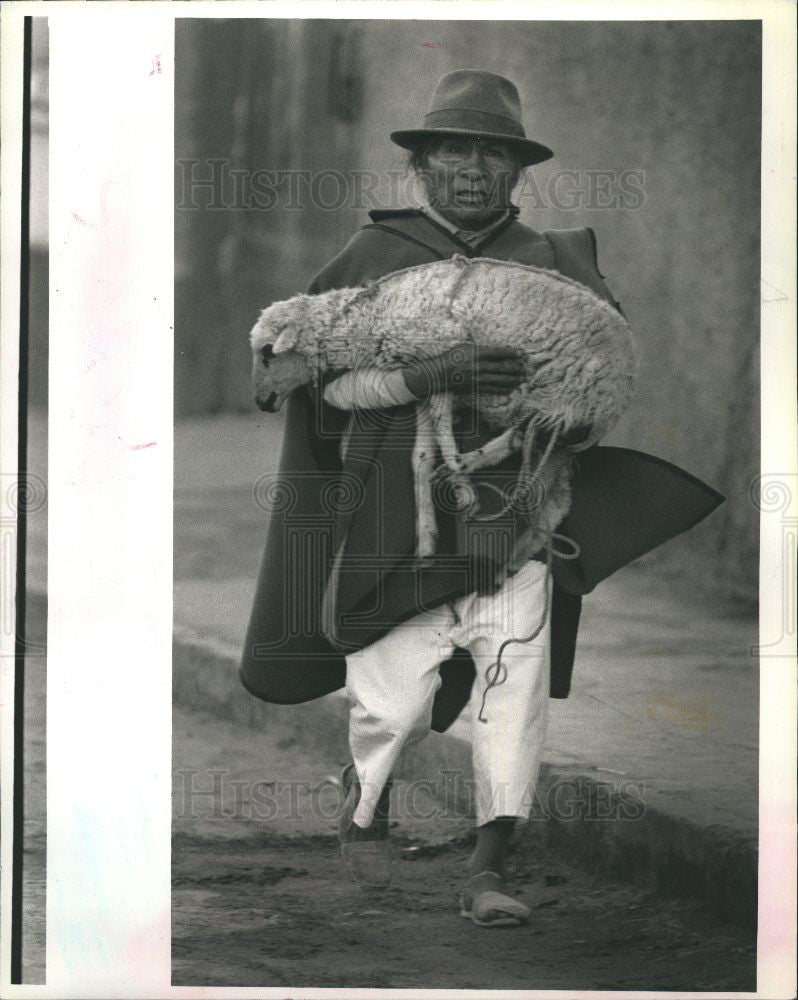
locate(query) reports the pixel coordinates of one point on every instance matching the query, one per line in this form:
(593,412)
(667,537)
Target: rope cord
(464,269)
(530,436)
(464,265)
(367,291)
(524,475)
(496,673)
(472,262)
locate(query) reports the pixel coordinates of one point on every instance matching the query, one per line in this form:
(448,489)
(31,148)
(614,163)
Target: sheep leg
(555,486)
(529,542)
(489,454)
(440,405)
(441,411)
(423,464)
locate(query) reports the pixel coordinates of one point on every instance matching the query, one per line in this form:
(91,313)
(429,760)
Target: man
(399,628)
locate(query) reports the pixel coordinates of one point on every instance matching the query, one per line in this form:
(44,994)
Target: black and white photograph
(486,324)
(401,500)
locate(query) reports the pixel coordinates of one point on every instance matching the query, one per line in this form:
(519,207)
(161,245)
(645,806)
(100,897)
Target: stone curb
(607,828)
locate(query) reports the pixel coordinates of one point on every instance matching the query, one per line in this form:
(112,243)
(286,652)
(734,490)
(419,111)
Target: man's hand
(467,369)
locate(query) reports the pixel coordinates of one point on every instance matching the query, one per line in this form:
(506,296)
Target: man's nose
(473,163)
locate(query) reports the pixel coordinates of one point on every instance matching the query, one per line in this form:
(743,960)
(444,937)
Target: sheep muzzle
(275,376)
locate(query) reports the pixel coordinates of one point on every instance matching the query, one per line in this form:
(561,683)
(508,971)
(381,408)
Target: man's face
(469,180)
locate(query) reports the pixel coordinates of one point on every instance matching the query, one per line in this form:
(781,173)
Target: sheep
(579,354)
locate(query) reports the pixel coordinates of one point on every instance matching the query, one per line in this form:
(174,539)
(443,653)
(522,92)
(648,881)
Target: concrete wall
(679,102)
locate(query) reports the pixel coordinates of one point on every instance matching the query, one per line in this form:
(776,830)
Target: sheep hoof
(425,547)
(423,561)
(442,471)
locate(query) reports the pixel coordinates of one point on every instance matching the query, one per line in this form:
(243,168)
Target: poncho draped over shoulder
(339,568)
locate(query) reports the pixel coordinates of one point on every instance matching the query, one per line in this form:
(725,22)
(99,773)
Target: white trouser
(392,683)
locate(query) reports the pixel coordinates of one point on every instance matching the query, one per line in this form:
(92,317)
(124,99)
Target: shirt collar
(466,235)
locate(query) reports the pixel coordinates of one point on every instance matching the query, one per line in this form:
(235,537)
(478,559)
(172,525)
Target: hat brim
(530,152)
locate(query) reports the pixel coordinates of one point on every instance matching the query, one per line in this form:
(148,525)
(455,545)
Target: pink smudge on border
(83,222)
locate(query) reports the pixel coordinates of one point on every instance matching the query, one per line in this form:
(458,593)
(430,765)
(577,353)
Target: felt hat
(474,102)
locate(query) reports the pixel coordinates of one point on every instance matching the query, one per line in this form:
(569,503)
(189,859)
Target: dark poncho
(624,502)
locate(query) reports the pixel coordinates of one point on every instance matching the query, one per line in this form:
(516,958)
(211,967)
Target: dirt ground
(266,901)
(261,896)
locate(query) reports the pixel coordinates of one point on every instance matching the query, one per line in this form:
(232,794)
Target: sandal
(367,855)
(490,908)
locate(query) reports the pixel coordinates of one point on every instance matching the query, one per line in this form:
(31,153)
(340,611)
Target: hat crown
(477,103)
(479,91)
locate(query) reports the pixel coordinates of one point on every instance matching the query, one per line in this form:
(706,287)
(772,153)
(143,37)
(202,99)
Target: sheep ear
(286,341)
(259,333)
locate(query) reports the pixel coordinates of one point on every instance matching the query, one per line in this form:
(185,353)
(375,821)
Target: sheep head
(275,376)
(277,367)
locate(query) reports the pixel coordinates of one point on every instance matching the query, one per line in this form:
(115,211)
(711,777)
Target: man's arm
(464,368)
(368,388)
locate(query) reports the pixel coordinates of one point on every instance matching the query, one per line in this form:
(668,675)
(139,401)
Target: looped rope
(525,476)
(490,517)
(576,549)
(496,674)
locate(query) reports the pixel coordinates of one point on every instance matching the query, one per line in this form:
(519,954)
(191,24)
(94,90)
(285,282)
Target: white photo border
(109,690)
